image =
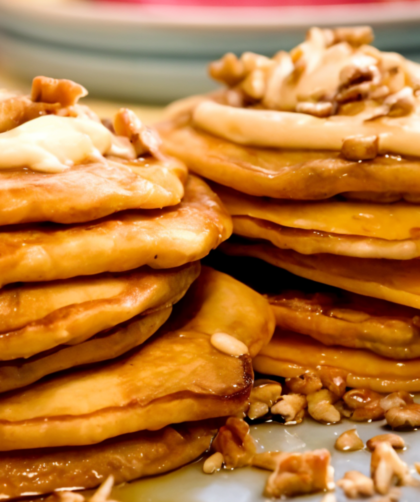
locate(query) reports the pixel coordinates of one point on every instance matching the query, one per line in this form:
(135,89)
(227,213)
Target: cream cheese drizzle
(53,144)
(276,129)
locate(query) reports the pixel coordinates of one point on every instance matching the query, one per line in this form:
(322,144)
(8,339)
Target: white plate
(189,484)
(209,31)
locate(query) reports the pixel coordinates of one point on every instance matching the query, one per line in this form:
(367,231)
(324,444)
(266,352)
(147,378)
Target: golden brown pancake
(126,458)
(108,345)
(90,191)
(394,281)
(291,354)
(350,320)
(37,317)
(358,229)
(288,174)
(175,377)
(124,241)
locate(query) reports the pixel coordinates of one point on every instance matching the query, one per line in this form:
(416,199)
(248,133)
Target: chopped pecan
(52,90)
(235,443)
(333,379)
(349,441)
(254,84)
(321,407)
(355,36)
(229,69)
(396,399)
(388,469)
(365,404)
(320,109)
(300,473)
(355,485)
(404,417)
(395,441)
(263,395)
(360,147)
(144,139)
(307,383)
(267,460)
(291,407)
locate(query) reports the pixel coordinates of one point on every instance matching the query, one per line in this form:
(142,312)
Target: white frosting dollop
(277,129)
(53,144)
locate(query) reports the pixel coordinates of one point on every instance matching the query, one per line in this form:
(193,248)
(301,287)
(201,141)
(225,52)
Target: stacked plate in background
(157,53)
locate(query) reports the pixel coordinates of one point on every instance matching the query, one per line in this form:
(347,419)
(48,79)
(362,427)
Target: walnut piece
(365,405)
(291,407)
(349,441)
(52,90)
(228,70)
(235,443)
(395,441)
(396,399)
(355,485)
(299,474)
(307,383)
(263,395)
(355,36)
(387,469)
(321,109)
(333,379)
(404,417)
(360,147)
(144,139)
(321,407)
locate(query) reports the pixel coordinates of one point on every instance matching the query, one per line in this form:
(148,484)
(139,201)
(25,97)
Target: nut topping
(144,139)
(396,399)
(405,417)
(388,469)
(360,147)
(235,443)
(349,441)
(213,463)
(300,473)
(321,109)
(307,383)
(52,90)
(355,485)
(263,395)
(365,404)
(395,441)
(228,344)
(291,407)
(321,407)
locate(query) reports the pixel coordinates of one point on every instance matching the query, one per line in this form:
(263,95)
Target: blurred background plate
(127,77)
(156,53)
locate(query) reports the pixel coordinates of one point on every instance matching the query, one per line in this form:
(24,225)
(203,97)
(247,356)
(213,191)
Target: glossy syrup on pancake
(193,380)
(164,238)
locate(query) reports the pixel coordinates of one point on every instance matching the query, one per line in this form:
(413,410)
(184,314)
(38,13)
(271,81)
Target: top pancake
(177,376)
(333,116)
(124,241)
(289,174)
(92,188)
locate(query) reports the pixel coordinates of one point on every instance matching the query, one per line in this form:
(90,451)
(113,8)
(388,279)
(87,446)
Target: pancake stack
(315,154)
(101,235)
